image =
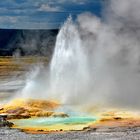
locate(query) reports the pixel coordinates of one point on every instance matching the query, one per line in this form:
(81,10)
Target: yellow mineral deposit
(33,108)
(26,108)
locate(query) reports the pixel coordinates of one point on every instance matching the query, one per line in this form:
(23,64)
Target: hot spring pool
(55,123)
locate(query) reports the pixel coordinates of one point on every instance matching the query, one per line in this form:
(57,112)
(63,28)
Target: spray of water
(94,61)
(69,66)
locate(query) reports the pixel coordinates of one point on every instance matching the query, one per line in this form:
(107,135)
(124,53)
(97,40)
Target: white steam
(95,61)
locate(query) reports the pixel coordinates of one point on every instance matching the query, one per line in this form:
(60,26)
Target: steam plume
(95,61)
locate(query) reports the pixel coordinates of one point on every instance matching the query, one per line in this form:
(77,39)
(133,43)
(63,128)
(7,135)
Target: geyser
(69,71)
(95,61)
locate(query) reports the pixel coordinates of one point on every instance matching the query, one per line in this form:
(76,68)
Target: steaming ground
(95,64)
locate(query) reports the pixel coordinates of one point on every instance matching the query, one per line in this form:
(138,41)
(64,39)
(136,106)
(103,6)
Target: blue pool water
(33,122)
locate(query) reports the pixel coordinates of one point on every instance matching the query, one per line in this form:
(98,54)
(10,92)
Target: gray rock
(4,122)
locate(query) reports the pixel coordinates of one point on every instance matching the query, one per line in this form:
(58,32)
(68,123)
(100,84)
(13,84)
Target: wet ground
(103,134)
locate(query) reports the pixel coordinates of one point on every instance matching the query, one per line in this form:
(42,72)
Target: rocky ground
(101,134)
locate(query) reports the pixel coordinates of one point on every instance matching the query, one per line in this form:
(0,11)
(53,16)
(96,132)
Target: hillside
(27,42)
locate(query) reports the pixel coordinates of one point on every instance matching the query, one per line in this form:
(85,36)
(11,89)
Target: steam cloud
(94,61)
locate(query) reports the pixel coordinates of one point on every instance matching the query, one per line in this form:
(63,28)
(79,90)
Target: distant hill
(27,42)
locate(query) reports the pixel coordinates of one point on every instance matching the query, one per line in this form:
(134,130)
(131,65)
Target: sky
(43,14)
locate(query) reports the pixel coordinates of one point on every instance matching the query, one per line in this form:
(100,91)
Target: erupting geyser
(69,71)
(95,61)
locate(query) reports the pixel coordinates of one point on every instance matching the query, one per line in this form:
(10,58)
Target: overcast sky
(43,13)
